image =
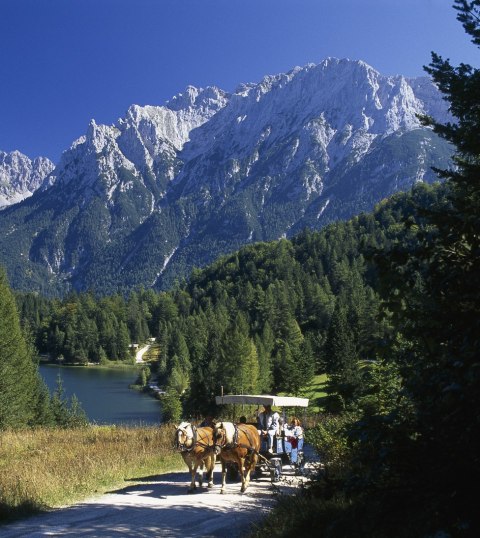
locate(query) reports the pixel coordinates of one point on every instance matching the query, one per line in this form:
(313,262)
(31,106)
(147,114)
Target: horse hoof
(210,484)
(222,491)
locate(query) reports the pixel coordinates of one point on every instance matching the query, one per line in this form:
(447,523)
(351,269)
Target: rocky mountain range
(171,187)
(20,176)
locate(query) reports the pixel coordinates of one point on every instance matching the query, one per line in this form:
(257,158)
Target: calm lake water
(104,394)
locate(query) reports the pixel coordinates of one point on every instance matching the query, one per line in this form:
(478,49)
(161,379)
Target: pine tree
(178,348)
(265,376)
(60,404)
(43,413)
(171,406)
(77,417)
(123,341)
(144,376)
(178,378)
(19,380)
(342,358)
(136,319)
(294,364)
(239,362)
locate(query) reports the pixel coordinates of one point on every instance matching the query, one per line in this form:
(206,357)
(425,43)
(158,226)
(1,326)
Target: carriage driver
(268,425)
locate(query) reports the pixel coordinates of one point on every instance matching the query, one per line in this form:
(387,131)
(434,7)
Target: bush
(171,406)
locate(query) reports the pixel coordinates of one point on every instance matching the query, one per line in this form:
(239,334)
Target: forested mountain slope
(265,318)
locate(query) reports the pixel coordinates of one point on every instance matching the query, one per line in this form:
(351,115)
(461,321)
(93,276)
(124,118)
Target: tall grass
(46,468)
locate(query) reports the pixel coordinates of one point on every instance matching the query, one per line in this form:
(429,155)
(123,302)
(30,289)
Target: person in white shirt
(268,425)
(293,439)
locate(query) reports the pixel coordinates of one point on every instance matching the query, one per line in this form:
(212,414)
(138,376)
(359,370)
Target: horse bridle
(219,434)
(182,447)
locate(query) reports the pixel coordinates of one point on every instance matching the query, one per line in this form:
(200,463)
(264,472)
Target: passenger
(268,425)
(296,429)
(242,420)
(294,438)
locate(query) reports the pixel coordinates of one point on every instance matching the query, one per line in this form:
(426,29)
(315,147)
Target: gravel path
(140,353)
(158,506)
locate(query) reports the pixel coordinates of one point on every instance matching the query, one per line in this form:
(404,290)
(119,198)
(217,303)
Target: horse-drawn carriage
(241,446)
(286,444)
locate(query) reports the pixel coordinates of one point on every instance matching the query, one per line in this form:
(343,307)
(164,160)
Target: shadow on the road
(107,521)
(159,486)
(168,477)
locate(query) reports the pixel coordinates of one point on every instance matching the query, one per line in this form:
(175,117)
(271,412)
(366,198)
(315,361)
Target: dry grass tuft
(43,468)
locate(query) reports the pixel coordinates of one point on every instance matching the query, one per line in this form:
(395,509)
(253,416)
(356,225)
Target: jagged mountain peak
(100,137)
(211,98)
(20,176)
(340,83)
(339,93)
(325,111)
(173,122)
(329,86)
(145,141)
(299,74)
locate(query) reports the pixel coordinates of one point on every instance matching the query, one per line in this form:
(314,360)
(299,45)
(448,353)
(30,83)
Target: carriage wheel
(275,469)
(300,464)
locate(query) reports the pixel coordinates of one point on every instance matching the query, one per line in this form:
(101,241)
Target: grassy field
(46,468)
(315,392)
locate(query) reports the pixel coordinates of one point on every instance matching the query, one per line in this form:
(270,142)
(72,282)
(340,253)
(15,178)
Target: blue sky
(64,62)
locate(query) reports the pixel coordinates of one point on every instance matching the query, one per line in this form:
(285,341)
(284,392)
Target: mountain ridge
(170,187)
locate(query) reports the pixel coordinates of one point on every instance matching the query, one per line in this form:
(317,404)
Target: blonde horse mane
(229,429)
(184,426)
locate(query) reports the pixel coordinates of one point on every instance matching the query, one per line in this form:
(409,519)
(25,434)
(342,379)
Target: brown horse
(197,449)
(239,444)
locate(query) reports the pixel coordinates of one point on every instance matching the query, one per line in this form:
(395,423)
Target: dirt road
(158,506)
(140,353)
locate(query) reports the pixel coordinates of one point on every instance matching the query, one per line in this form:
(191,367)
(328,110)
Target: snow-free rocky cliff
(20,176)
(171,187)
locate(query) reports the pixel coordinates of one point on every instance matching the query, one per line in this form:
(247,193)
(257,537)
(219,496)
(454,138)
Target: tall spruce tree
(19,381)
(342,357)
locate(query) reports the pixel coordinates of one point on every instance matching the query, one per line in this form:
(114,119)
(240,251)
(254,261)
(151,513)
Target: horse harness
(235,443)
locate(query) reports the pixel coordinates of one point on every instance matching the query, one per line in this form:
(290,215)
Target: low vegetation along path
(158,506)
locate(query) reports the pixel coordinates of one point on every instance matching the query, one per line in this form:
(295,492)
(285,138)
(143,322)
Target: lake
(104,394)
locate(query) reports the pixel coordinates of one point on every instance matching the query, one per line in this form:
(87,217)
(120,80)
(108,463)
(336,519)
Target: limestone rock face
(20,176)
(170,187)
